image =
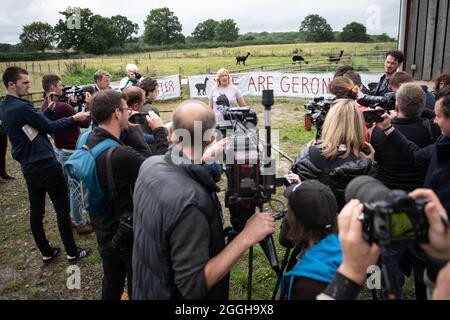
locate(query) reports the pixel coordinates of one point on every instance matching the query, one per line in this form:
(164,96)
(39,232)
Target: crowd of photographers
(162,231)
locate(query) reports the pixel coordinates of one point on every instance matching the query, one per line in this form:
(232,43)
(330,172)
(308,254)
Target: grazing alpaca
(298,58)
(336,59)
(201,88)
(242,59)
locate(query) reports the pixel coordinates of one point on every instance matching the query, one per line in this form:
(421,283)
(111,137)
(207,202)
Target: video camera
(317,112)
(390,216)
(387,102)
(251,178)
(77,92)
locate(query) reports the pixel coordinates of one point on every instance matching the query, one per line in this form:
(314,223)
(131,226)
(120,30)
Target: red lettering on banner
(294,84)
(305,85)
(269,82)
(313,85)
(326,86)
(252,83)
(282,85)
(235,80)
(261,82)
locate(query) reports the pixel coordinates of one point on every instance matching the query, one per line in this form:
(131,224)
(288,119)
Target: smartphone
(373,115)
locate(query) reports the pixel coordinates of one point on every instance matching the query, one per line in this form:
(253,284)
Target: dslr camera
(389,216)
(387,102)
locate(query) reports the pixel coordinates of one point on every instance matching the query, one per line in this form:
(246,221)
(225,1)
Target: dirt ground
(23,276)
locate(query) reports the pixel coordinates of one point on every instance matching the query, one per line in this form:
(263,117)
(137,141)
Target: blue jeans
(76,208)
(396,276)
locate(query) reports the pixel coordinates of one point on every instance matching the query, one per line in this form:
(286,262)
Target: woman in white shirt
(224,94)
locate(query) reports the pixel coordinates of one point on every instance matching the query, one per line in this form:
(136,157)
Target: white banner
(169,87)
(298,85)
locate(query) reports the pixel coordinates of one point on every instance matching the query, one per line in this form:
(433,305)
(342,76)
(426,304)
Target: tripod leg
(250,273)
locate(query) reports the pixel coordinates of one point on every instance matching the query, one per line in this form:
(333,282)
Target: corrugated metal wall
(428,38)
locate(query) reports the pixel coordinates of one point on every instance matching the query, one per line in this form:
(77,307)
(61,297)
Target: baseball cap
(312,203)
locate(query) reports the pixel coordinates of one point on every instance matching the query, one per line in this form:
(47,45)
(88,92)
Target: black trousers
(3,146)
(116,268)
(50,180)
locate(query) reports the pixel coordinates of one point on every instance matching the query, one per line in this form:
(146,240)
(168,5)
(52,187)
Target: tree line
(97,34)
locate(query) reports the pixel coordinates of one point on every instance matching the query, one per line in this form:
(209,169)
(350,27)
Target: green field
(198,61)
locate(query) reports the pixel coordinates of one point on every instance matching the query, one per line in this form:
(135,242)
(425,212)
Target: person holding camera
(132,79)
(397,173)
(358,254)
(179,247)
(27,131)
(436,156)
(65,142)
(394,170)
(311,228)
(113,227)
(224,95)
(341,153)
(394,59)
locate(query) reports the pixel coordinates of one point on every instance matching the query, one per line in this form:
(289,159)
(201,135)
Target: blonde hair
(219,73)
(344,125)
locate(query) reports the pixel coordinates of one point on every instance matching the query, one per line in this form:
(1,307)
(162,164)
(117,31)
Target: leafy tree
(125,29)
(227,31)
(205,31)
(37,36)
(162,27)
(96,34)
(77,39)
(316,29)
(354,32)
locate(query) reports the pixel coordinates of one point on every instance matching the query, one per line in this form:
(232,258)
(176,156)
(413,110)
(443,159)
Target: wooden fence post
(40,68)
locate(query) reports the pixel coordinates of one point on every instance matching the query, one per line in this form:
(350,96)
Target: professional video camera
(387,102)
(317,112)
(390,216)
(251,178)
(77,92)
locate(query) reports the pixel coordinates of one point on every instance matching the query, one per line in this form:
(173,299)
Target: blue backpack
(82,168)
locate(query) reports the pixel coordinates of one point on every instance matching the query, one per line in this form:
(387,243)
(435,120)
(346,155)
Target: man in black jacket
(394,170)
(394,59)
(111,112)
(179,247)
(27,131)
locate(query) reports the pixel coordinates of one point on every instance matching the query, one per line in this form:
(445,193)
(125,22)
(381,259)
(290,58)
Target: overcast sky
(379,16)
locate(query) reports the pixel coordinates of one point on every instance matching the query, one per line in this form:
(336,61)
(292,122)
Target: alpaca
(298,58)
(335,58)
(201,88)
(242,59)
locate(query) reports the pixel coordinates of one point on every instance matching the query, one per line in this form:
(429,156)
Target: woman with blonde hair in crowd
(224,94)
(341,154)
